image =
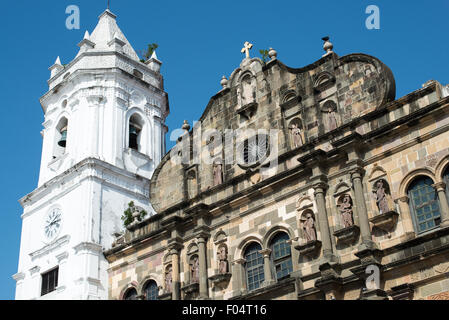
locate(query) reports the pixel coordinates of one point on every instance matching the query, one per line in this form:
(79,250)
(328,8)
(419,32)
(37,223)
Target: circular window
(253,151)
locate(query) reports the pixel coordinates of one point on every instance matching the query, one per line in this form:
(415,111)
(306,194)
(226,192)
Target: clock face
(52,223)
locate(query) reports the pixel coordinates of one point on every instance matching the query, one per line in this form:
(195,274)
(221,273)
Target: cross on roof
(246,48)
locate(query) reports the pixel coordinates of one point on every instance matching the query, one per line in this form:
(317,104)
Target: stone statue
(168,279)
(296,135)
(195,270)
(218,174)
(239,97)
(247,90)
(345,209)
(381,197)
(309,228)
(223,258)
(331,120)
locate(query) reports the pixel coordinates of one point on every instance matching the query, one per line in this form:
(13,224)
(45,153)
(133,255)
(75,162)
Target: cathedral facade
(309,183)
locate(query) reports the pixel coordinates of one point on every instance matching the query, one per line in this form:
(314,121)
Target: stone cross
(246,48)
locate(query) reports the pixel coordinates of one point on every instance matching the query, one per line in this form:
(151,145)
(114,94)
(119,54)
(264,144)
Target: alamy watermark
(73,20)
(373,280)
(372,22)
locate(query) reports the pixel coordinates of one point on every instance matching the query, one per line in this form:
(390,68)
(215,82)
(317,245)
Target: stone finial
(272,54)
(186,126)
(327,46)
(224,82)
(56,67)
(86,43)
(154,63)
(246,47)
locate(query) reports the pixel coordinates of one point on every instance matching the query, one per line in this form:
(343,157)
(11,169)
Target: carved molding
(309,249)
(50,247)
(385,221)
(347,235)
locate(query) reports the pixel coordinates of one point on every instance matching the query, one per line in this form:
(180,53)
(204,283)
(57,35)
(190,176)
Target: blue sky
(199,42)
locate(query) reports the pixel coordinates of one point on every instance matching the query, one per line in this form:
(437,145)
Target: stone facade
(336,186)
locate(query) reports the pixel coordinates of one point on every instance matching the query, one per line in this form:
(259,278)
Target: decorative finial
(186,126)
(246,47)
(224,82)
(328,46)
(272,54)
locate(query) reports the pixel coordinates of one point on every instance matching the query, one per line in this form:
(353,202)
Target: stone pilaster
(356,177)
(441,191)
(238,277)
(202,254)
(176,286)
(267,267)
(406,217)
(323,222)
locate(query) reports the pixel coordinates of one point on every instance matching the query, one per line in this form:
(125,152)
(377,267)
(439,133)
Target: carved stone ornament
(311,248)
(191,288)
(385,221)
(221,280)
(347,235)
(248,110)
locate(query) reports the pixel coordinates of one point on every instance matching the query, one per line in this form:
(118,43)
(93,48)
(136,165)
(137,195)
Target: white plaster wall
(92,210)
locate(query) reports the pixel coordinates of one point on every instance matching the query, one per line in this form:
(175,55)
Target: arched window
(135,129)
(60,138)
(281,255)
(424,204)
(254,266)
(151,290)
(130,294)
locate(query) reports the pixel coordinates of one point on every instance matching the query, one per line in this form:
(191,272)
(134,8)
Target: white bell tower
(104,134)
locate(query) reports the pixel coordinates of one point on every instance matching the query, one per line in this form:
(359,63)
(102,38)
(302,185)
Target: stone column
(204,291)
(441,190)
(406,217)
(266,266)
(356,177)
(323,221)
(239,281)
(175,276)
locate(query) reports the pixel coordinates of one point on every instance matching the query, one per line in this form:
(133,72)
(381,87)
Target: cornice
(91,167)
(50,247)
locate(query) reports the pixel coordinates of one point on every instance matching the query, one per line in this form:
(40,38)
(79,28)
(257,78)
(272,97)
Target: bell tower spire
(104,134)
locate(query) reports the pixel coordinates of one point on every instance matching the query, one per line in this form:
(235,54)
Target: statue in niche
(223,260)
(247,90)
(331,119)
(295,132)
(218,173)
(239,97)
(308,227)
(168,279)
(381,197)
(345,208)
(195,270)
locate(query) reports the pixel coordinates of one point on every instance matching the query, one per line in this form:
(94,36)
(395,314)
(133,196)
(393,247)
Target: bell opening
(63,141)
(133,137)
